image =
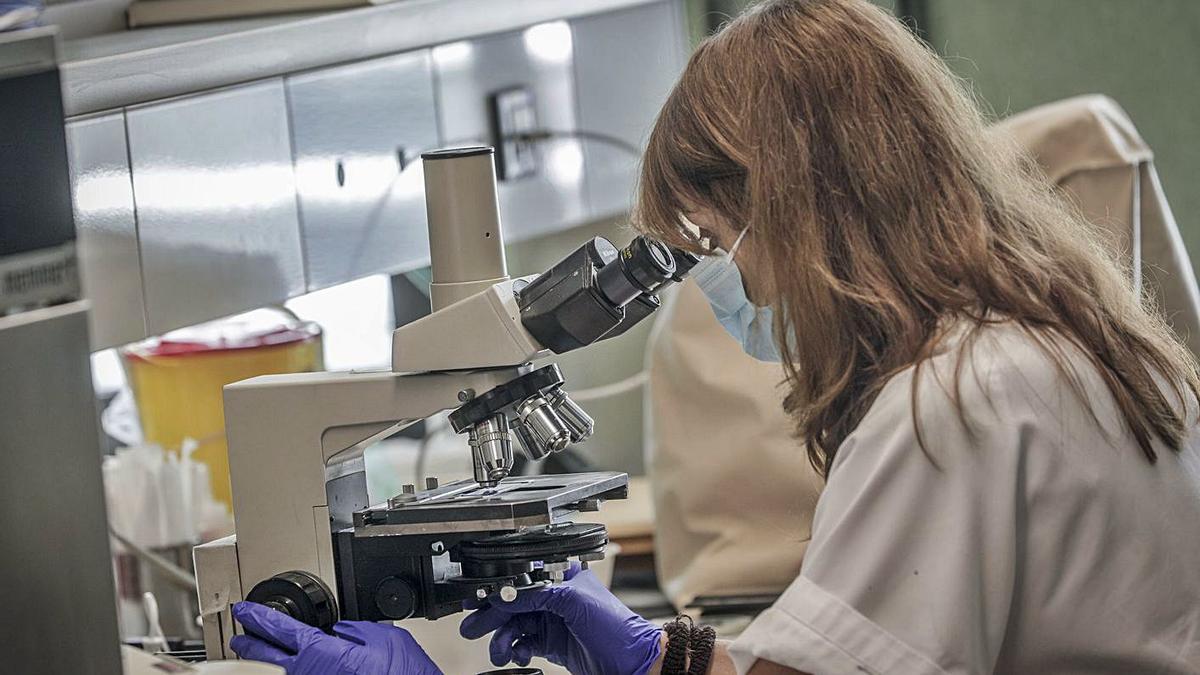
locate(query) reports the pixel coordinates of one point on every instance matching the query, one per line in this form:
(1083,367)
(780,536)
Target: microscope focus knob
(395,598)
(300,595)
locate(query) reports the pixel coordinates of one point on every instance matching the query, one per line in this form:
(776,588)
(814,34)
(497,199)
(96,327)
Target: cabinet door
(357,134)
(106,231)
(625,65)
(216,204)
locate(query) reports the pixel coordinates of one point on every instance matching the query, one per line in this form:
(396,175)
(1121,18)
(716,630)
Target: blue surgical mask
(721,282)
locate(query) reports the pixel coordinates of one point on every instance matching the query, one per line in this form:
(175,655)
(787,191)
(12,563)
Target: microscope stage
(516,502)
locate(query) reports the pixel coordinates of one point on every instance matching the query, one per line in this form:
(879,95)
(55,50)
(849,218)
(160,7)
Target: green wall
(1143,53)
(1021,53)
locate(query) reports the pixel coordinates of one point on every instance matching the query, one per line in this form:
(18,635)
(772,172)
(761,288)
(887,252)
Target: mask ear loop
(737,243)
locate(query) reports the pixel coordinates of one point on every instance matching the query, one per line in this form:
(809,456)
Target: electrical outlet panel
(514,111)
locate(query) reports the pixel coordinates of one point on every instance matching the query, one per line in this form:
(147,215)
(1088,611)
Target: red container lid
(252,330)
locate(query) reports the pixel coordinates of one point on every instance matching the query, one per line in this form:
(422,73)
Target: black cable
(539,135)
(548,134)
(535,136)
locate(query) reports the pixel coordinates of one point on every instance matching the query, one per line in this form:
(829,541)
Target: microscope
(308,543)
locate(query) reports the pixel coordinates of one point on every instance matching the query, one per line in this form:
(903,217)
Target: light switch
(513,112)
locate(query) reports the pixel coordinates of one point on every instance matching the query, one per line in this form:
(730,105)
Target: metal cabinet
(357,134)
(106,229)
(226,200)
(60,574)
(538,59)
(216,204)
(625,65)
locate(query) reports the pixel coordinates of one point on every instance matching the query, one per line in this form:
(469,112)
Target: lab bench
(221,167)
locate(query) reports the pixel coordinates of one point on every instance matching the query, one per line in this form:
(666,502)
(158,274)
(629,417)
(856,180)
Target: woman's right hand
(578,624)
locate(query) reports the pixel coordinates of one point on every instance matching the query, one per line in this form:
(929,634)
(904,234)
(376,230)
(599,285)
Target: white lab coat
(1035,541)
(719,444)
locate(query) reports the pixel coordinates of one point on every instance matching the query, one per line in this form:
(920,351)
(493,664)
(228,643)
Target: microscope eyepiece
(641,267)
(648,263)
(598,291)
(684,262)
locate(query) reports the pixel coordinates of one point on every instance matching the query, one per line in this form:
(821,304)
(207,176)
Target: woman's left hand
(577,624)
(356,648)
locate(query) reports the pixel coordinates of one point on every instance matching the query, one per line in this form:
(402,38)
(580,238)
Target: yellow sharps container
(177,379)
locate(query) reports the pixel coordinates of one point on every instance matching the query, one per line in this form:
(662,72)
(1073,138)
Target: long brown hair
(882,207)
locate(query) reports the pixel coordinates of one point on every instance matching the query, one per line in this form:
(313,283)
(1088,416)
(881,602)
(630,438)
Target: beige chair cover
(1088,146)
(733,491)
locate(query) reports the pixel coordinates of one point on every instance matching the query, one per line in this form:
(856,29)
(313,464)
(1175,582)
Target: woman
(1013,477)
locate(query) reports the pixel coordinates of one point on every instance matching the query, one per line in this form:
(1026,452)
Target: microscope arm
(291,471)
(482,331)
(594,293)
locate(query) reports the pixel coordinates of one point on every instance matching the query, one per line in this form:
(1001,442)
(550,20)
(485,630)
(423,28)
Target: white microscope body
(308,543)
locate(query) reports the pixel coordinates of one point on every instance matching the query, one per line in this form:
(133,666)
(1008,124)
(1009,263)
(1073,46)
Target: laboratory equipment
(38,266)
(308,543)
(294,167)
(49,440)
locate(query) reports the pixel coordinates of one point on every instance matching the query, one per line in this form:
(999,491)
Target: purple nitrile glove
(357,648)
(578,624)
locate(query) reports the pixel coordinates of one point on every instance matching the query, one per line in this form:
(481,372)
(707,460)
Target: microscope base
(423,554)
